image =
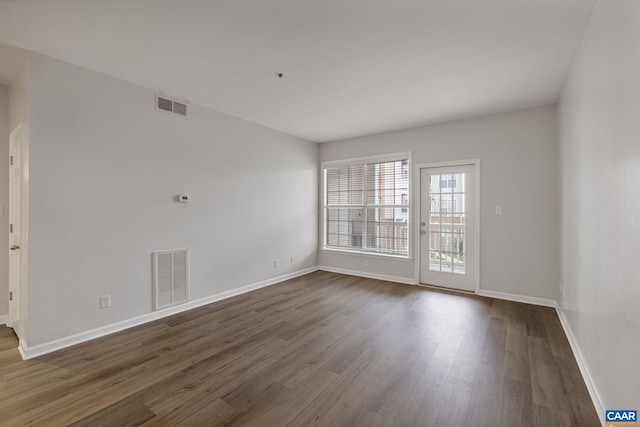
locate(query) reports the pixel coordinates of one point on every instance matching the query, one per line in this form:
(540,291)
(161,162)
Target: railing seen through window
(366,207)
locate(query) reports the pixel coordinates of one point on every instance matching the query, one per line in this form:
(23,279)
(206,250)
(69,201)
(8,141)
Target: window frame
(359,161)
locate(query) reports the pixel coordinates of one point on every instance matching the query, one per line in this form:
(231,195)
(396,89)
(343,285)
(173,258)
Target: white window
(366,205)
(448,181)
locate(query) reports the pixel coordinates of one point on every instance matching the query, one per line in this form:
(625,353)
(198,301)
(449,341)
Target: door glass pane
(447,227)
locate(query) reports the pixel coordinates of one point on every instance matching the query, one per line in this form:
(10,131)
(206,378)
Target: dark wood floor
(321,350)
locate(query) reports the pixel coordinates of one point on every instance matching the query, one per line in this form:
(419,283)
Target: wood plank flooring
(321,350)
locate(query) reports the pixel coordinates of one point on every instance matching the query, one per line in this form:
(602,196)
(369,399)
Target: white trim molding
(368,275)
(48,347)
(41,349)
(518,298)
(389,157)
(21,349)
(582,365)
(3,319)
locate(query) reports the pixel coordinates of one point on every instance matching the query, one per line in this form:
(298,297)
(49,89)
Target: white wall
(4,199)
(19,97)
(518,250)
(600,149)
(105,169)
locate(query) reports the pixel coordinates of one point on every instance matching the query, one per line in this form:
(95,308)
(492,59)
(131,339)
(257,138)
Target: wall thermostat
(184,198)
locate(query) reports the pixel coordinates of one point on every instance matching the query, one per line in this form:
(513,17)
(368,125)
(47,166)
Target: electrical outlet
(105,301)
(292,259)
(498,209)
(276,262)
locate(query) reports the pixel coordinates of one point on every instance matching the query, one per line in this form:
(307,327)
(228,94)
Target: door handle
(14,247)
(423,232)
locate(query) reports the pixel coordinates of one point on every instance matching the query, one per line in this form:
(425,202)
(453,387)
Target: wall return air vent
(170,278)
(170,105)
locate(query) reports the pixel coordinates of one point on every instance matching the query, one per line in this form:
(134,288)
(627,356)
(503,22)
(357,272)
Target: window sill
(368,254)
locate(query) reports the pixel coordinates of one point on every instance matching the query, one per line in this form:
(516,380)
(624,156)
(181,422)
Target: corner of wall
(582,364)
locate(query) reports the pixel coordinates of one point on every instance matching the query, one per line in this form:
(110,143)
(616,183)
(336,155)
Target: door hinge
(11,160)
(10,228)
(10,296)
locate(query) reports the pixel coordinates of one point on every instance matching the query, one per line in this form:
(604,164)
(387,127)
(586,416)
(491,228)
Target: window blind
(366,207)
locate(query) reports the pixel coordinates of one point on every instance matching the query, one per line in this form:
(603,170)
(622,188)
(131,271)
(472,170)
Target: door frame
(19,326)
(417,194)
(15,193)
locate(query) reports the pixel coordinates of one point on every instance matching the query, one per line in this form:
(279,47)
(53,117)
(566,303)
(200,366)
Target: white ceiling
(351,67)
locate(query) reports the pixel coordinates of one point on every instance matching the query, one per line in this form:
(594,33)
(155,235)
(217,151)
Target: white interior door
(448,227)
(15,212)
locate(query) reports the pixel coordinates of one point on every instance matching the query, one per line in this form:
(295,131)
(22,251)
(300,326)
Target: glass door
(447,227)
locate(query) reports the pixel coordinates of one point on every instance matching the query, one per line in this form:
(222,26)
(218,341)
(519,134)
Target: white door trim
(416,212)
(15,192)
(19,326)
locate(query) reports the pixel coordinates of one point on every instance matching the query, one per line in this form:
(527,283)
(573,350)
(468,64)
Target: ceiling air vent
(166,104)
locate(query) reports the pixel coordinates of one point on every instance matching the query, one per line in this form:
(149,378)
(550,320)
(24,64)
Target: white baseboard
(518,298)
(40,349)
(582,365)
(3,319)
(411,281)
(368,275)
(21,349)
(586,376)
